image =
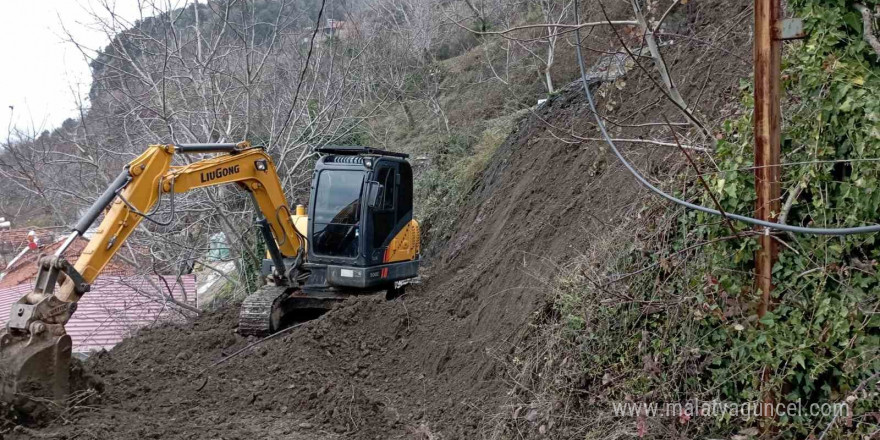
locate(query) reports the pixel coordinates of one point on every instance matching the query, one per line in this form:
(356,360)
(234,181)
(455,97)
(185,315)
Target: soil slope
(432,362)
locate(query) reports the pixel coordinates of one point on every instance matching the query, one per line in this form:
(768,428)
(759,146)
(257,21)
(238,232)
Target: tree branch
(868,22)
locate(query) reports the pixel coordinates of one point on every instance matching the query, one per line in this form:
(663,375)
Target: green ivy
(821,339)
(703,339)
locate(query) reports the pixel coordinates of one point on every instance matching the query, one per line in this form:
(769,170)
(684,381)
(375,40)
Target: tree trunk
(548,79)
(551,49)
(409,117)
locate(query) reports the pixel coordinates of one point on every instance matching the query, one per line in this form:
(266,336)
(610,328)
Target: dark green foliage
(690,329)
(821,339)
(439,191)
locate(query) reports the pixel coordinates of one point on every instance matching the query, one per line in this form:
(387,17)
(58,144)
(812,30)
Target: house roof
(115,308)
(13,240)
(25,269)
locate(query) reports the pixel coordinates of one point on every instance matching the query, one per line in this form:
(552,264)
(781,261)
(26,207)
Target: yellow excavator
(358,236)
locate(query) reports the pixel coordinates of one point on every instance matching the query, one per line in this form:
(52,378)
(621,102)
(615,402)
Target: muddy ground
(434,363)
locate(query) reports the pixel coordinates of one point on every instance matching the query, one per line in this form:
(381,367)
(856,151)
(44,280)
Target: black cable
(302,75)
(671,198)
(302,238)
(281,225)
(148,215)
(293,272)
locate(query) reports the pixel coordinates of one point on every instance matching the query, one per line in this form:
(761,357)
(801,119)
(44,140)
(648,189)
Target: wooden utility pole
(767,52)
(770,31)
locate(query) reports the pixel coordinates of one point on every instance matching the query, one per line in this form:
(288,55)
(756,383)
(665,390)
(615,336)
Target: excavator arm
(151,176)
(34,347)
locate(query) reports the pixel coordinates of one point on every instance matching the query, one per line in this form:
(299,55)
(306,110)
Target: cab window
(382,215)
(386,199)
(337,213)
(338,198)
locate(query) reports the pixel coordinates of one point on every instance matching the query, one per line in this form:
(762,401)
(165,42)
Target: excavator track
(271,308)
(260,311)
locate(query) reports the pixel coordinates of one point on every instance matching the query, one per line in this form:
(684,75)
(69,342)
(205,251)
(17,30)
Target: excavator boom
(35,350)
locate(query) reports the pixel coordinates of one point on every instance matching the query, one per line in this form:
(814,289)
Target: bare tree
(553,12)
(208,72)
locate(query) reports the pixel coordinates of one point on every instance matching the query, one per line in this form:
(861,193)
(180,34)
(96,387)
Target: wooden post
(767,54)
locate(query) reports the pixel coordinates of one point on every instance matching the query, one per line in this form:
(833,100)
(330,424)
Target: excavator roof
(354,150)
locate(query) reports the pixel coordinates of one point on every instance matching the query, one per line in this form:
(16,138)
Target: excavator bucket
(34,366)
(35,350)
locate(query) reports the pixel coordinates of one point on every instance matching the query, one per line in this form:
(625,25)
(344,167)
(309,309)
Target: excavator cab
(361,229)
(360,238)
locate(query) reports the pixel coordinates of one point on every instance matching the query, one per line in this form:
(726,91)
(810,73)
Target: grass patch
(453,173)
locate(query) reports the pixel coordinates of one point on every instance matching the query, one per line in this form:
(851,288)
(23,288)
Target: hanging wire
(149,215)
(686,204)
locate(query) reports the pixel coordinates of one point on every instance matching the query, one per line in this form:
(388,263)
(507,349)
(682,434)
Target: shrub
(673,317)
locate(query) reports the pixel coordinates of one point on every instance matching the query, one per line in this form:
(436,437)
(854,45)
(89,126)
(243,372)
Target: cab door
(383,215)
(335,214)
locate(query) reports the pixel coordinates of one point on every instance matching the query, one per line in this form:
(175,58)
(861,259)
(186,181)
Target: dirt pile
(434,362)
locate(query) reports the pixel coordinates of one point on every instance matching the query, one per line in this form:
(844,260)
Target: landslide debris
(433,363)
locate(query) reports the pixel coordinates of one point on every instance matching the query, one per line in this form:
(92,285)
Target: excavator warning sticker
(348,273)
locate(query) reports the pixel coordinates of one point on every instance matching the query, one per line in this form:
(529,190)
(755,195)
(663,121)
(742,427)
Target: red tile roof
(115,308)
(25,269)
(14,240)
(17,237)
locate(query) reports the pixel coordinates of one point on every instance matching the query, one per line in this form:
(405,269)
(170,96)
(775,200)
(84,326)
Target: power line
(686,204)
(302,75)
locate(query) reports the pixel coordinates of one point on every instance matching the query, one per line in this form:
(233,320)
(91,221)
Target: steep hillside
(440,361)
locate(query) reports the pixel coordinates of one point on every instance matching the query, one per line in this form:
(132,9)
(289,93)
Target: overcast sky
(42,73)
